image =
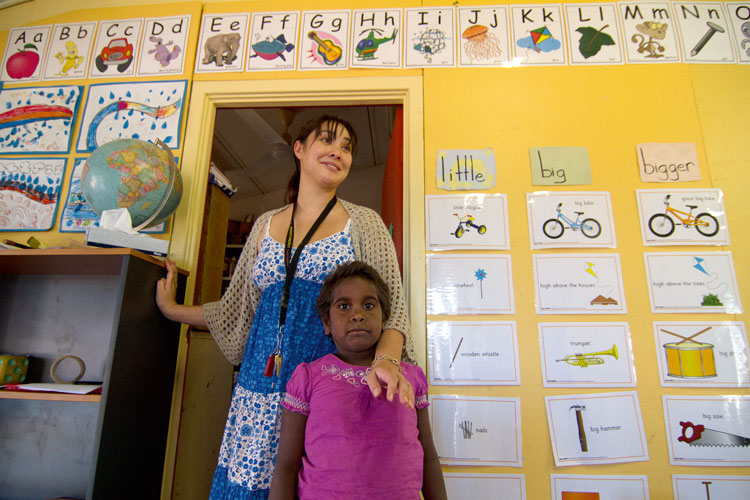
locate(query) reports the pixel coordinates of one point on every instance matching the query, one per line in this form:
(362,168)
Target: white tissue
(117,219)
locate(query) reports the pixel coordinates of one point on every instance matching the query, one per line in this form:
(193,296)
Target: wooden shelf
(50,396)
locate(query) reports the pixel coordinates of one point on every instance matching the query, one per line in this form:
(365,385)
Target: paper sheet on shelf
(51,387)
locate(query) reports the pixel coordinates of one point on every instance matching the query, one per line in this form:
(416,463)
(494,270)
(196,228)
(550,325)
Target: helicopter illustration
(466,222)
(367,47)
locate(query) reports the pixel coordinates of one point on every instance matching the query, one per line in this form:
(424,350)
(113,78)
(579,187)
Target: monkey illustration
(654,31)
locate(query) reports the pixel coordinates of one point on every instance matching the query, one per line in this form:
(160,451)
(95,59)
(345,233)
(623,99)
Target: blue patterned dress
(251,436)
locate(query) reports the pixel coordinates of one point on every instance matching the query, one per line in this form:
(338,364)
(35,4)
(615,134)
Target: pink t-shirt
(356,446)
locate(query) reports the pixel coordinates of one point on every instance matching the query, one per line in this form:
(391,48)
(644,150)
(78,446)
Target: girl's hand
(388,373)
(166,289)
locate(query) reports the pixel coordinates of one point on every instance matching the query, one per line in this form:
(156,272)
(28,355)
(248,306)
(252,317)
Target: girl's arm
(433,485)
(391,343)
(289,458)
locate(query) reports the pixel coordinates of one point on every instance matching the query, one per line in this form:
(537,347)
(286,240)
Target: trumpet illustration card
(702,487)
(467,221)
(682,217)
(708,430)
(469,284)
(482,486)
(702,354)
(579,284)
(580,487)
(680,282)
(324,40)
(570,220)
(586,355)
(30,193)
(473,353)
(472,430)
(603,428)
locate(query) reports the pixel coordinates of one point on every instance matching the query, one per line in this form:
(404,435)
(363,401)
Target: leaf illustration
(592,40)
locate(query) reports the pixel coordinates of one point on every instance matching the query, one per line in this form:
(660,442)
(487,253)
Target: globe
(133,174)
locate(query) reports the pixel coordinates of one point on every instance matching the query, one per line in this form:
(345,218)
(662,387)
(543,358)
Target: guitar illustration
(329,51)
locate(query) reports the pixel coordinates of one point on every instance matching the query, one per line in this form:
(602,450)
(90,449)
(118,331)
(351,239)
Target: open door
(392,210)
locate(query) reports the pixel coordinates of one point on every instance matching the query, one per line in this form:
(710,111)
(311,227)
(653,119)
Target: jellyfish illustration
(480,44)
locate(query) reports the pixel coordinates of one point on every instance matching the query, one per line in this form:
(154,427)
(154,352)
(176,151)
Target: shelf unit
(97,304)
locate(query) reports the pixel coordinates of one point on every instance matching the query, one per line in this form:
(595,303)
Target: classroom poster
(538,34)
(484,486)
(165,40)
(484,36)
(377,36)
(30,192)
(649,32)
(599,487)
(570,219)
(473,221)
(324,40)
(69,51)
(429,37)
(705,32)
(221,43)
(593,34)
(117,43)
(24,51)
(273,41)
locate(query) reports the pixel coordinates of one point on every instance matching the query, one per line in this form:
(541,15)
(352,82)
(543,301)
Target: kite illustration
(590,269)
(540,40)
(699,265)
(592,40)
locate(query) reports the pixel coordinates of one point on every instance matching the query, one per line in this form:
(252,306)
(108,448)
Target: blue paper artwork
(29,193)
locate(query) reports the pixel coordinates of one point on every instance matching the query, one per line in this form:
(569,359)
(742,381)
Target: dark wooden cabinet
(97,304)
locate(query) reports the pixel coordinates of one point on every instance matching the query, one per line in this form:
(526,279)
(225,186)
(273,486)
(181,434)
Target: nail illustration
(712,28)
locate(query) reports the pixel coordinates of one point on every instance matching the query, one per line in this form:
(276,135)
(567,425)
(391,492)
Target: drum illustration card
(601,428)
(681,282)
(485,486)
(472,430)
(702,354)
(708,430)
(473,353)
(469,284)
(467,221)
(682,217)
(579,284)
(586,355)
(580,487)
(700,487)
(570,220)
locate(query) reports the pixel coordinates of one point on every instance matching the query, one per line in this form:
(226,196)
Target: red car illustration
(119,52)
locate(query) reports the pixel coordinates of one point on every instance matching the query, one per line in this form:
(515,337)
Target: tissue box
(13,368)
(109,238)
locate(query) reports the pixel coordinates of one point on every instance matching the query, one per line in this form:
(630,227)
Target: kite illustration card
(30,192)
(484,486)
(467,221)
(538,34)
(570,219)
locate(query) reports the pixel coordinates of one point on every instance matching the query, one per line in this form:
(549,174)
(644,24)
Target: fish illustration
(271,48)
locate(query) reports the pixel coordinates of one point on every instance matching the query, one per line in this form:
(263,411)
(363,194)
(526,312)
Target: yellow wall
(607,109)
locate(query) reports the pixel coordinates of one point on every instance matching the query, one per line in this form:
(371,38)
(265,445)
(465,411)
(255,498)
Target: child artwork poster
(473,353)
(165,40)
(469,284)
(117,43)
(603,428)
(705,32)
(38,119)
(708,431)
(593,34)
(377,36)
(24,51)
(30,192)
(570,220)
(69,51)
(701,487)
(467,221)
(146,111)
(682,217)
(430,37)
(680,282)
(483,486)
(273,41)
(324,40)
(470,430)
(579,284)
(538,35)
(702,354)
(586,355)
(221,43)
(582,487)
(649,32)
(485,37)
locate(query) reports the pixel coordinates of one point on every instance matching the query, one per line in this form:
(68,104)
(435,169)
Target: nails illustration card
(708,430)
(467,221)
(484,486)
(579,284)
(580,487)
(473,353)
(586,355)
(702,354)
(472,430)
(700,487)
(682,217)
(601,428)
(570,220)
(469,284)
(681,282)
(705,32)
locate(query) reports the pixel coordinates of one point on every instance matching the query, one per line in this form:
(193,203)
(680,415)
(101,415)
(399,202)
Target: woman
(252,328)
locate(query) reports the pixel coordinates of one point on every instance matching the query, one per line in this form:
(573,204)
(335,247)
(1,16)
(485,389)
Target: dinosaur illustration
(161,52)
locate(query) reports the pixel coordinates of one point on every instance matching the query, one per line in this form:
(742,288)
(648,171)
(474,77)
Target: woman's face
(325,158)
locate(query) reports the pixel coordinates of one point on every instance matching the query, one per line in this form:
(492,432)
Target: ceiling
(251,147)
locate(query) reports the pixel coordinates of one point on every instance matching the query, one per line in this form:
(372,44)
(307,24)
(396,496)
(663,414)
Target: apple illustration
(23,63)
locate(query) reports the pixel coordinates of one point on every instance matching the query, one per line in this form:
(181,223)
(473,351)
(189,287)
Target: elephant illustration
(221,48)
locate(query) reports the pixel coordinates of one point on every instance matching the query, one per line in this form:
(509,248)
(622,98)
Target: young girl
(337,440)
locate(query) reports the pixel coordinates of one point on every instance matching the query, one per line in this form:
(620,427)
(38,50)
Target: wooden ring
(75,379)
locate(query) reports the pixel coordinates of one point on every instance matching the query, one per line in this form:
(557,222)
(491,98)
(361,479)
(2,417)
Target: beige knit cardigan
(229,319)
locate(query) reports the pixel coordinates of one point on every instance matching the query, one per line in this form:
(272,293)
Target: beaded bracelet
(387,358)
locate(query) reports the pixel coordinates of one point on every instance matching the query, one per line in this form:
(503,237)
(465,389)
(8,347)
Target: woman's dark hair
(328,123)
(354,269)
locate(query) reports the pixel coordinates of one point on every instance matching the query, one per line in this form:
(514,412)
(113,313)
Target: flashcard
(465,485)
(586,355)
(69,51)
(117,43)
(708,431)
(680,282)
(30,192)
(324,40)
(570,220)
(668,162)
(579,284)
(705,32)
(24,51)
(377,37)
(485,36)
(469,284)
(221,43)
(649,32)
(739,16)
(581,487)
(467,221)
(593,34)
(165,40)
(538,34)
(473,353)
(273,41)
(465,169)
(682,217)
(700,487)
(472,430)
(429,37)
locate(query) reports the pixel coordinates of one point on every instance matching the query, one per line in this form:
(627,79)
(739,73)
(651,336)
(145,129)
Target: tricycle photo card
(467,221)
